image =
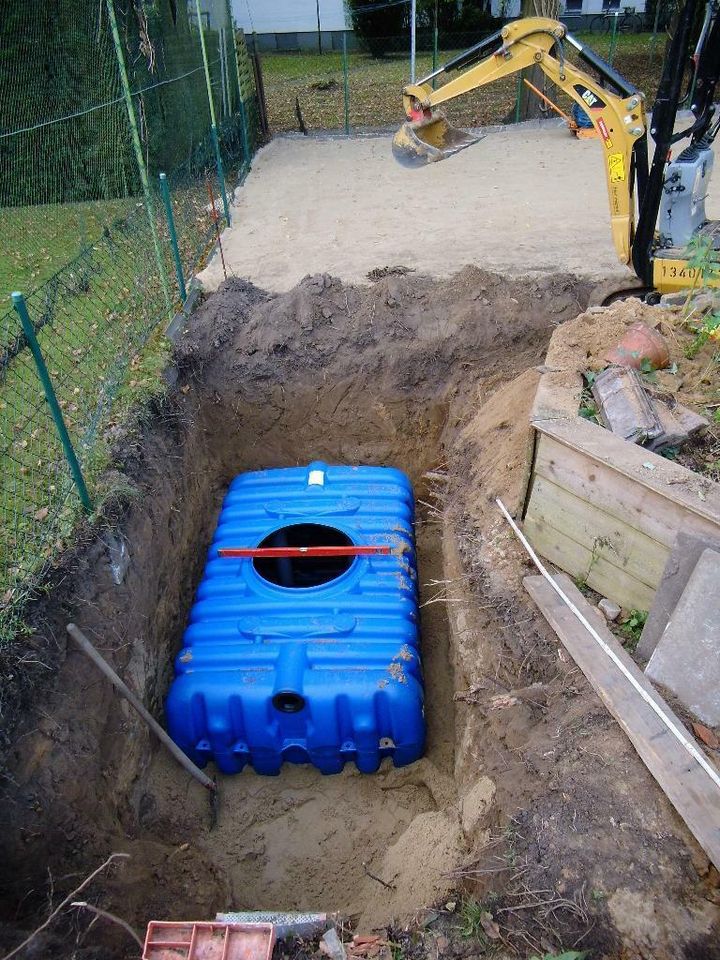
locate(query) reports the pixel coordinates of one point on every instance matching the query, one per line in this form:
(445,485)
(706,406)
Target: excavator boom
(618,117)
(671,223)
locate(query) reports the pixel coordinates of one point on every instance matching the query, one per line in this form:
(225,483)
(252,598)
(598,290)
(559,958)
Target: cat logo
(590,99)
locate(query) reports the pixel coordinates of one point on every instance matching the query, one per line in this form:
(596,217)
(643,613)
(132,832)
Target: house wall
(289,16)
(510,9)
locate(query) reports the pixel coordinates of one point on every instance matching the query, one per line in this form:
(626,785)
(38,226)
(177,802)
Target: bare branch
(88,880)
(106,915)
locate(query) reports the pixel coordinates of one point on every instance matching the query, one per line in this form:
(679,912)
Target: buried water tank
(303,657)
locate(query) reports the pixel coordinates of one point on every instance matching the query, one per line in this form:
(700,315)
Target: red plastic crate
(169,940)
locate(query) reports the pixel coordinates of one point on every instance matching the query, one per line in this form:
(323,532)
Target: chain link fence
(358,87)
(97,99)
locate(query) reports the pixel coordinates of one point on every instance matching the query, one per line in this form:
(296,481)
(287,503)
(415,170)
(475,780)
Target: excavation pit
(434,378)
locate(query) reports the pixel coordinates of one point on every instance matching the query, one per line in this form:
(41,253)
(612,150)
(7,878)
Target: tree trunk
(531,107)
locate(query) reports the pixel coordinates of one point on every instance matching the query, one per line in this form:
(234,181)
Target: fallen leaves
(708,736)
(368,946)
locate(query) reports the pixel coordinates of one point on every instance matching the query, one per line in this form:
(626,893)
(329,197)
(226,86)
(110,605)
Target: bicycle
(627,22)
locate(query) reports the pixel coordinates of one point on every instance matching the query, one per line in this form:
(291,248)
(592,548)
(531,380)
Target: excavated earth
(529,800)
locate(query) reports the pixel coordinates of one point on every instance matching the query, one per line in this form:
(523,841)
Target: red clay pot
(640,343)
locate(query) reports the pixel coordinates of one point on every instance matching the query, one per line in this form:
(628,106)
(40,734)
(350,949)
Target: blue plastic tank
(311,660)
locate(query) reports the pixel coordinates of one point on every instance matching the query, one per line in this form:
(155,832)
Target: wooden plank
(620,544)
(688,787)
(610,489)
(670,480)
(598,572)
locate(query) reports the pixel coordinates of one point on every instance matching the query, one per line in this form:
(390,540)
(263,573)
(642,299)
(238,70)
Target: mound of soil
(529,798)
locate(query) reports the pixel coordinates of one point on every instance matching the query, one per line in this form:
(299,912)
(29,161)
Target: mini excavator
(657,208)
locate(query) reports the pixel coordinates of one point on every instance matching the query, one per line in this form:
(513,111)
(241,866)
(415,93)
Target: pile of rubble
(632,407)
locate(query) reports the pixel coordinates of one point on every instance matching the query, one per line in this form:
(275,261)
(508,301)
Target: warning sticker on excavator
(616,165)
(604,133)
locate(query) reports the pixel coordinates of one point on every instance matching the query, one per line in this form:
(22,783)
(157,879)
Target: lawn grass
(96,318)
(315,81)
(38,241)
(100,310)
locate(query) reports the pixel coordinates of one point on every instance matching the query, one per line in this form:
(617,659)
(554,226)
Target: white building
(510,9)
(293,24)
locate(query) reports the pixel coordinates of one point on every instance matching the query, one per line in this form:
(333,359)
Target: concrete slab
(687,657)
(683,558)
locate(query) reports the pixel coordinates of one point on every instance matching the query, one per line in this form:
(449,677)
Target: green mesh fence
(86,243)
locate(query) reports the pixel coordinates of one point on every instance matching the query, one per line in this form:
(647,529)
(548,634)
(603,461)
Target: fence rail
(118,128)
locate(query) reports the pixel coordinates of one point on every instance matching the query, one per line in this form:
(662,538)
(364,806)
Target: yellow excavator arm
(535,41)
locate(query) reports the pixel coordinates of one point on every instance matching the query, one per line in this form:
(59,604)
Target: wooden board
(621,544)
(672,482)
(608,579)
(610,490)
(688,787)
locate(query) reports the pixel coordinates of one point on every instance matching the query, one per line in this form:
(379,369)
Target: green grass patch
(102,343)
(39,241)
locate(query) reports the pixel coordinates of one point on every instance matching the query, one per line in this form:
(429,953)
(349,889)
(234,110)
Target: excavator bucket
(418,142)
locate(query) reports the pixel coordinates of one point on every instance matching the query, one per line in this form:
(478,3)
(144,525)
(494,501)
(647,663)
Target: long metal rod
(548,101)
(137,147)
(679,736)
(29,331)
(89,650)
(281,553)
(165,191)
(206,66)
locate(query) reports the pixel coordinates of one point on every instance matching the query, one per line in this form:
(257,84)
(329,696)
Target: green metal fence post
(518,96)
(29,331)
(213,121)
(165,191)
(613,38)
(137,147)
(346,84)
